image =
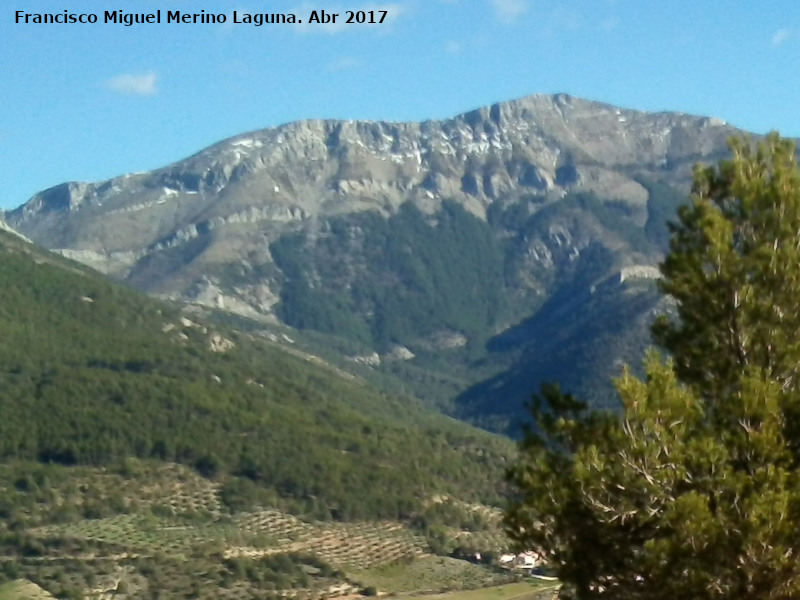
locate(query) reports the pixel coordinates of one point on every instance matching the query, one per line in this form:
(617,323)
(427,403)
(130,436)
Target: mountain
(94,373)
(440,258)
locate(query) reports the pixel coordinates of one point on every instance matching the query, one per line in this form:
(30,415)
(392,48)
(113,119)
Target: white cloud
(453,47)
(609,24)
(508,10)
(138,84)
(781,36)
(345,63)
(565,19)
(468,44)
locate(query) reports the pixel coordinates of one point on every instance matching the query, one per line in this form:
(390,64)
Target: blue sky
(88,102)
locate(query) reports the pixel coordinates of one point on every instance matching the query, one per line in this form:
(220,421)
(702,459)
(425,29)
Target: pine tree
(734,270)
(693,491)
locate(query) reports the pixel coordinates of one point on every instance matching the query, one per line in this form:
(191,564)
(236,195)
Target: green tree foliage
(392,280)
(733,269)
(694,490)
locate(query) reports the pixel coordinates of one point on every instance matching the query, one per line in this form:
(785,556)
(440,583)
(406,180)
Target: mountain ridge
(356,166)
(495,112)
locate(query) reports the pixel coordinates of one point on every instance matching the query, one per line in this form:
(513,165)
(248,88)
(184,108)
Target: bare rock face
(182,230)
(5,227)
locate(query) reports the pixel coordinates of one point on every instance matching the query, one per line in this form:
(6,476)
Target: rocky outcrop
(5,227)
(639,272)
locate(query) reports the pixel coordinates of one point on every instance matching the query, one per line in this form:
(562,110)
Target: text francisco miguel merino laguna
(176,16)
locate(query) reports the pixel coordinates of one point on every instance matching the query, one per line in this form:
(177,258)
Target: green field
(22,590)
(430,574)
(512,591)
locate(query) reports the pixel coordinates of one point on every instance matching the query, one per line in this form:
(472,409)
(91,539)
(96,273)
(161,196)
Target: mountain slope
(579,341)
(93,372)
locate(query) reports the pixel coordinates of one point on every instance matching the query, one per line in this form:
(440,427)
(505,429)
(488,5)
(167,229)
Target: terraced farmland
(147,535)
(344,545)
(160,527)
(144,522)
(286,529)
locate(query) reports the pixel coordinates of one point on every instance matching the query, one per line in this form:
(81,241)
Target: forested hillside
(93,372)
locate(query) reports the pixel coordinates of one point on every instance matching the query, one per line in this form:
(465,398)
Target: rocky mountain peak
(170,230)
